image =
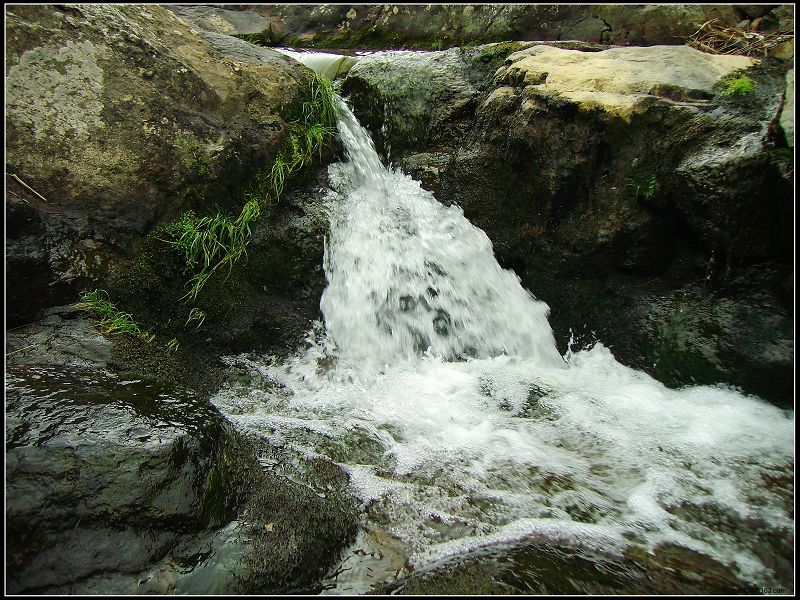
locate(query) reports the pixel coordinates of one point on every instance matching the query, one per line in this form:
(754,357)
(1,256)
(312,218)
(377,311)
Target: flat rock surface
(615,79)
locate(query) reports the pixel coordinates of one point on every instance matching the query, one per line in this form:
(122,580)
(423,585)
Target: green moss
(266,38)
(737,86)
(438,44)
(493,56)
(296,42)
(193,153)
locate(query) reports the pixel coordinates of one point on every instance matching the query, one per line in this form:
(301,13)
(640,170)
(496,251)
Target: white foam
(487,434)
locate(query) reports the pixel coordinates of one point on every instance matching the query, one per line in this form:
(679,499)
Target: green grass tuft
(196,315)
(209,243)
(113,321)
(738,86)
(644,189)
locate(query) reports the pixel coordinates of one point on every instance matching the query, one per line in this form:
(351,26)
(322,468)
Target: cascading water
(436,383)
(407,274)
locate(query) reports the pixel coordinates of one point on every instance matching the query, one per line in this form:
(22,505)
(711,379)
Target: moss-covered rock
(264,303)
(119,117)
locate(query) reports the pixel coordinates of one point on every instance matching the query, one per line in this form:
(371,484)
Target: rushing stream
(435,382)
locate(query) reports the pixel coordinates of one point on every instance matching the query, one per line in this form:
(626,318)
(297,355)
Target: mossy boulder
(120,117)
(403,97)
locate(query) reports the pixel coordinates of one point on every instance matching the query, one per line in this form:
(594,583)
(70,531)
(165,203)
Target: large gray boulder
(119,117)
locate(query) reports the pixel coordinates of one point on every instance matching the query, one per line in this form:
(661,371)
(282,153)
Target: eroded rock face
(594,165)
(118,118)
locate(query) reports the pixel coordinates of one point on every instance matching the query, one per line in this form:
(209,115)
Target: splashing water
(436,383)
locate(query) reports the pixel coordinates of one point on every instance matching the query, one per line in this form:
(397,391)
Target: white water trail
(437,384)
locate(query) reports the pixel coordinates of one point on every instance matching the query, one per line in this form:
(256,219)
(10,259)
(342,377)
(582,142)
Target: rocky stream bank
(651,208)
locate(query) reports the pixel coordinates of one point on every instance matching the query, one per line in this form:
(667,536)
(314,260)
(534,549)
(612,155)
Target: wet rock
(430,96)
(647,173)
(599,160)
(739,333)
(61,339)
(540,568)
(426,168)
(102,475)
(117,482)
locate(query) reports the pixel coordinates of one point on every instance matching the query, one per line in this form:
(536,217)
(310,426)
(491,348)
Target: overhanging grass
(112,320)
(210,243)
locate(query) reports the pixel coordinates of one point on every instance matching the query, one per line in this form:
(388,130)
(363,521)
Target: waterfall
(407,275)
(435,382)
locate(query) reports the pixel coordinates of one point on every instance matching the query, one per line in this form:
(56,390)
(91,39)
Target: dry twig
(26,186)
(717,39)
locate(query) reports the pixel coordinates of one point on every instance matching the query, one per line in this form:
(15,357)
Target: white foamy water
(325,63)
(435,381)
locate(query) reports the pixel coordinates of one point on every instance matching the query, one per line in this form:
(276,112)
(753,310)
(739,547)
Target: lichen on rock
(120,118)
